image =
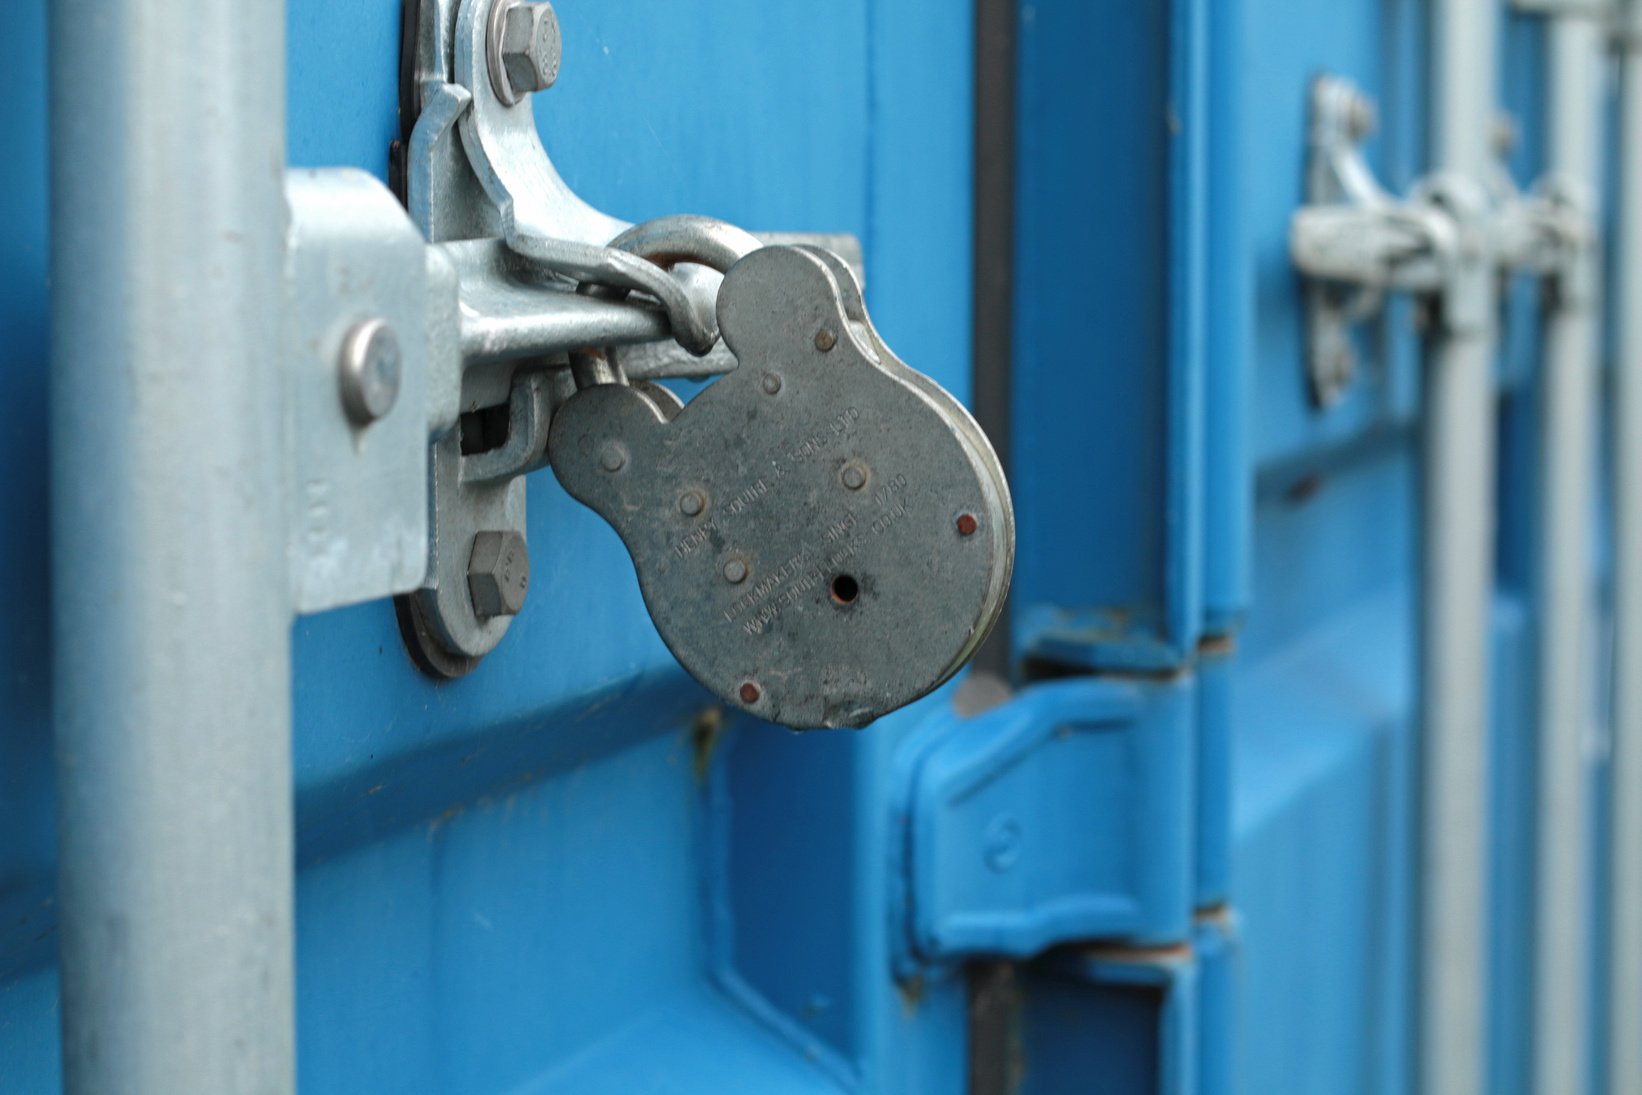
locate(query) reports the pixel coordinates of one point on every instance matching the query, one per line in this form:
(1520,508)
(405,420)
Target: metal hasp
(779,567)
(1353,241)
(773,519)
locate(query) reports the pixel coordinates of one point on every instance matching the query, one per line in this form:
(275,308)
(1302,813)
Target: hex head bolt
(524,49)
(498,574)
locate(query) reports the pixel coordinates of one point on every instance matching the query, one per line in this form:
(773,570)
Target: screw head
(370,370)
(613,457)
(967,524)
(854,476)
(735,571)
(691,503)
(525,48)
(825,339)
(750,693)
(498,573)
(771,383)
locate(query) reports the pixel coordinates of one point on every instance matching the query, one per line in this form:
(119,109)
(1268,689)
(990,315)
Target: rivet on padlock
(819,550)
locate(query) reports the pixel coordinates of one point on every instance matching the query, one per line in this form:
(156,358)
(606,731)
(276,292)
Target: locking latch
(1446,243)
(1355,242)
(822,534)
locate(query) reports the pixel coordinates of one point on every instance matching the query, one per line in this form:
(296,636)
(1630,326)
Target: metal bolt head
(854,476)
(735,572)
(967,524)
(750,693)
(771,383)
(825,339)
(613,457)
(691,503)
(370,369)
(526,49)
(498,574)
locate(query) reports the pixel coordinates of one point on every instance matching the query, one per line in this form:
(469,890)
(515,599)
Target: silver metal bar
(1562,581)
(1625,965)
(171,602)
(1456,574)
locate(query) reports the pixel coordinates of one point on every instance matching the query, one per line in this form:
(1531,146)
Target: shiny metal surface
(172,674)
(356,371)
(1456,572)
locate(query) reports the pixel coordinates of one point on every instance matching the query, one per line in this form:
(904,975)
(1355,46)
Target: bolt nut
(370,369)
(525,49)
(498,574)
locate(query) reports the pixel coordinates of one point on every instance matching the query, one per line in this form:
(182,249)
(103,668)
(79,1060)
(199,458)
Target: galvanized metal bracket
(362,293)
(1354,242)
(1448,242)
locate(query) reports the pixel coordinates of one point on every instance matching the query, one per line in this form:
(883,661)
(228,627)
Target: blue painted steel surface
(569,873)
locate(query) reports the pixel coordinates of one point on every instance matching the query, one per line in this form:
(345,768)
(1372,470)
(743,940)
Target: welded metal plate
(819,538)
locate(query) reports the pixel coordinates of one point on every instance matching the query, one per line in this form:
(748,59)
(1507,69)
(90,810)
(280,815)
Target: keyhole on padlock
(845,589)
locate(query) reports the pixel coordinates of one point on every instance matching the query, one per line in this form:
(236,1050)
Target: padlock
(823,535)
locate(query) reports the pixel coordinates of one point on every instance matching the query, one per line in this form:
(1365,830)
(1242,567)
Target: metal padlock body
(820,537)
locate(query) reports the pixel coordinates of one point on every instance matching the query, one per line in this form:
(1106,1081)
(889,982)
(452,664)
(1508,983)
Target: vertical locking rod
(1625,985)
(170,597)
(1562,588)
(1456,581)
